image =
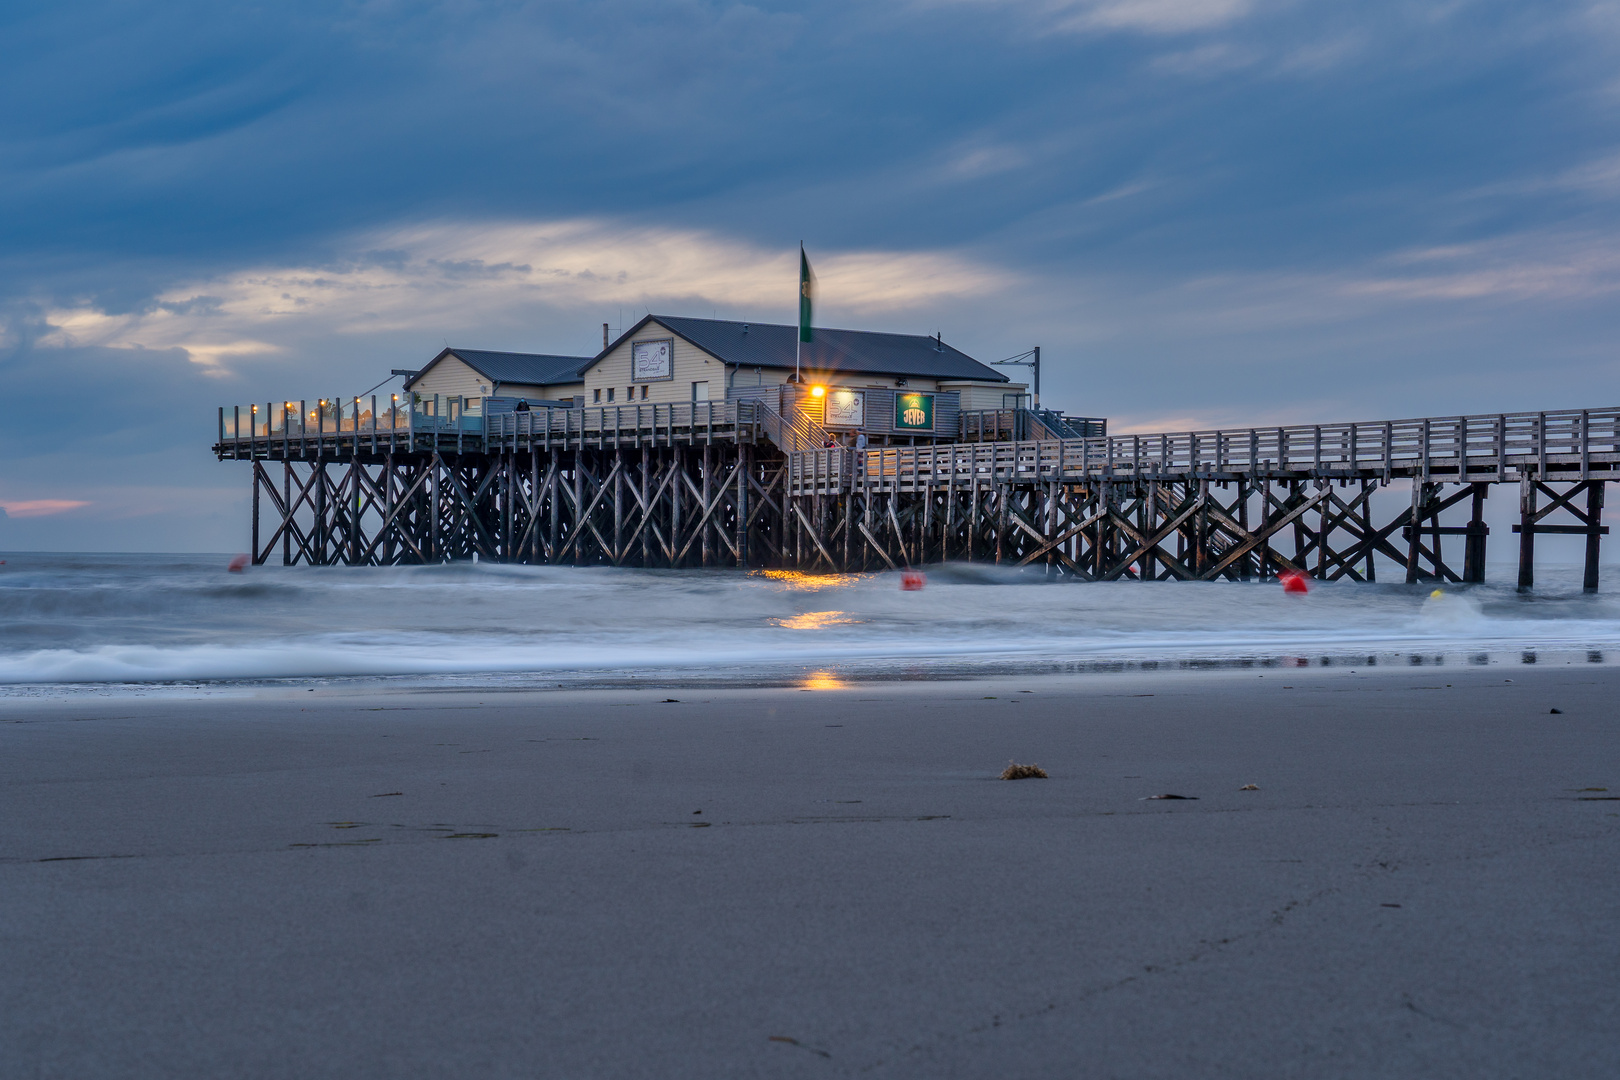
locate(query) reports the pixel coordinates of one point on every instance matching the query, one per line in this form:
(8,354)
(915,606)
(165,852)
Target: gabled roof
(833,352)
(527,369)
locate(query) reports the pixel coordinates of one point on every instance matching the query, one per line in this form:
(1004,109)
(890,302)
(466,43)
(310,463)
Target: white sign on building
(846,408)
(651,361)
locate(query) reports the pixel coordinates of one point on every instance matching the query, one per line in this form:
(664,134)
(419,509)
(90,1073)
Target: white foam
(129,623)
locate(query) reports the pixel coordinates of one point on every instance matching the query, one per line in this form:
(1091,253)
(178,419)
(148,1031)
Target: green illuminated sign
(914,412)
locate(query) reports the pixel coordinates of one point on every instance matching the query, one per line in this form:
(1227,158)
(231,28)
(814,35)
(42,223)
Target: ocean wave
(104,620)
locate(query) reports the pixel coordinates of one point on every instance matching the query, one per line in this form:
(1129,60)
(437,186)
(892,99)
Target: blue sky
(1207,212)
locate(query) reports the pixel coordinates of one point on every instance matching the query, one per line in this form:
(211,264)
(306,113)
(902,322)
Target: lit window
(598,393)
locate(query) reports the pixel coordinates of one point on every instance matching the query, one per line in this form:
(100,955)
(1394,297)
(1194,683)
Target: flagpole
(798,344)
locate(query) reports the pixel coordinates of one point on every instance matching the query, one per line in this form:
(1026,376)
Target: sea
(77,623)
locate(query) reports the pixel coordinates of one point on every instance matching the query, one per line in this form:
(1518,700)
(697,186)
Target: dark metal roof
(833,352)
(527,369)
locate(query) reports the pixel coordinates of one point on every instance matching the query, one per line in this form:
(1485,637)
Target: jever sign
(914,412)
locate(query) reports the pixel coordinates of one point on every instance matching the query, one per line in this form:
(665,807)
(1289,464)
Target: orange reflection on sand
(795,579)
(822,680)
(814,620)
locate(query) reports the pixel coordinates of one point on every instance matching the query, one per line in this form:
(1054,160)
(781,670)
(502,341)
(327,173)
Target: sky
(1206,212)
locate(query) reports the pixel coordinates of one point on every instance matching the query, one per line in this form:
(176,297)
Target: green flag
(807,290)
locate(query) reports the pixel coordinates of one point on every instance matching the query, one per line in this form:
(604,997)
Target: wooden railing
(1463,447)
(792,433)
(620,425)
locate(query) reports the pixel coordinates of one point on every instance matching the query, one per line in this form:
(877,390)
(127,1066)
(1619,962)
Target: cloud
(437,276)
(29,508)
(1143,16)
(1558,267)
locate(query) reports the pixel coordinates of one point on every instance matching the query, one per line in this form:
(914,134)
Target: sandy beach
(778,882)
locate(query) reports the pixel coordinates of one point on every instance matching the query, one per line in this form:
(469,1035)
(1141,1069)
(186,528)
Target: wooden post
(508,517)
(1527,532)
(534,507)
(257,474)
(618,494)
(1099,563)
(554,499)
(1474,552)
(1263,549)
(1594,521)
(1246,562)
(973,517)
(1367,529)
(703,521)
(1002,492)
(355,471)
(576,528)
(744,458)
(1414,530)
(384,536)
(1324,523)
(435,494)
(286,479)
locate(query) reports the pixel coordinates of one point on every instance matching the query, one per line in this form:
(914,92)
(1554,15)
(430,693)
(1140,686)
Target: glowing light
(797,579)
(822,680)
(814,620)
(818,391)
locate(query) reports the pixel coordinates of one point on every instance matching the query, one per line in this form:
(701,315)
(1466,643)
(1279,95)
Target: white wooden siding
(451,378)
(690,364)
(978,396)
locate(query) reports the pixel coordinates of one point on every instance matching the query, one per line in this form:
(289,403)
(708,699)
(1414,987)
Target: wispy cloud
(1144,16)
(446,275)
(1530,266)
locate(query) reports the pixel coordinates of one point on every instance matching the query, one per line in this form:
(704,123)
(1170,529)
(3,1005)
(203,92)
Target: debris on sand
(1015,771)
(1555,712)
(1250,787)
(795,1042)
(1192,797)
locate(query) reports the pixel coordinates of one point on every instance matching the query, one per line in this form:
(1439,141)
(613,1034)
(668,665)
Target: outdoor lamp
(818,391)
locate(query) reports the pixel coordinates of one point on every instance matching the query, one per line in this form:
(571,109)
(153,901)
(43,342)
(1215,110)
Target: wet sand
(435,884)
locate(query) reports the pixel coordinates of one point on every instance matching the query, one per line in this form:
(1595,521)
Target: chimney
(604,336)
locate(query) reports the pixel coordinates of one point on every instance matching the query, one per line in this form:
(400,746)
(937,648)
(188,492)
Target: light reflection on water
(822,680)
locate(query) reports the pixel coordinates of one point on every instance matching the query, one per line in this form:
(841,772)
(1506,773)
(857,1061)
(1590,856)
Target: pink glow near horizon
(26,508)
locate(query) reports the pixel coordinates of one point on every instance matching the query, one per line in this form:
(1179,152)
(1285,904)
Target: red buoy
(912,580)
(1293,582)
(238,564)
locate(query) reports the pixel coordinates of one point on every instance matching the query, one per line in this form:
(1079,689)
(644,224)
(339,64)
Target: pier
(750,483)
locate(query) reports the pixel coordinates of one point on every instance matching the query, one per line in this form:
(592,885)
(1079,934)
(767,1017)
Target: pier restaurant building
(847,379)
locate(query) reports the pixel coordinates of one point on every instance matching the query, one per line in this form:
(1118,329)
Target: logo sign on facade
(846,408)
(914,412)
(651,361)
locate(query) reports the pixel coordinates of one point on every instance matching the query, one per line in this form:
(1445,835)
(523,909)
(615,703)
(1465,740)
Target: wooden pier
(739,483)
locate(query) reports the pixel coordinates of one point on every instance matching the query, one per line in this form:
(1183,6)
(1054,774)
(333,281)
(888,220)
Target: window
(610,394)
(629,393)
(700,391)
(643,391)
(598,395)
